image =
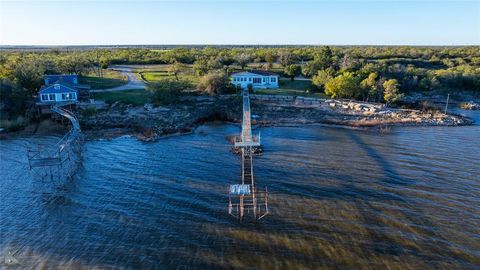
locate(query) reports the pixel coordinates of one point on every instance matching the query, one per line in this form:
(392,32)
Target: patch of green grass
(110,79)
(295,85)
(158,76)
(155,76)
(134,97)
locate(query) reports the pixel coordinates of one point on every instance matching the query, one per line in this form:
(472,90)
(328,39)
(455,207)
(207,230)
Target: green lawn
(288,84)
(110,79)
(292,88)
(155,76)
(134,97)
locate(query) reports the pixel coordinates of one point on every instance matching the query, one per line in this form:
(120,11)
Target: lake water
(339,198)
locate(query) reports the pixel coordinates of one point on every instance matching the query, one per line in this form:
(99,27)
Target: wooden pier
(246,198)
(51,165)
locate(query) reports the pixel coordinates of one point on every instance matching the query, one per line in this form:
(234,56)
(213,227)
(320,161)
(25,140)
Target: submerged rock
(470,105)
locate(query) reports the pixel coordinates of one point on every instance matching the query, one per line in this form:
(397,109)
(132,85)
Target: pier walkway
(245,197)
(53,164)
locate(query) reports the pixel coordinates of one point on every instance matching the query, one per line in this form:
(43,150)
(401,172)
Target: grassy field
(155,73)
(156,76)
(293,88)
(110,79)
(287,84)
(134,97)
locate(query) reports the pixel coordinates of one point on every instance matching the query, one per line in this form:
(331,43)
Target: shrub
(167,91)
(342,86)
(292,71)
(89,112)
(13,98)
(14,125)
(392,93)
(250,88)
(216,82)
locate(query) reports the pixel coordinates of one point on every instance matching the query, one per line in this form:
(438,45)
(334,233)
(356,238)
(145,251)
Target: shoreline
(150,123)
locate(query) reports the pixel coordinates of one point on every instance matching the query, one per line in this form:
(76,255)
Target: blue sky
(240,22)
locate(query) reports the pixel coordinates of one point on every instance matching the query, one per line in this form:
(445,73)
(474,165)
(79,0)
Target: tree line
(371,73)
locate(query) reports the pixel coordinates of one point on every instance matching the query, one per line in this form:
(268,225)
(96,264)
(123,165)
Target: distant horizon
(240,23)
(234,45)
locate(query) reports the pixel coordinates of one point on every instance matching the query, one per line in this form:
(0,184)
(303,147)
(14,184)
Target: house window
(273,79)
(257,80)
(44,97)
(250,79)
(67,96)
(74,95)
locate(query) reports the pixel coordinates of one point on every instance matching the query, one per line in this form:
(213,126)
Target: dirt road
(133,81)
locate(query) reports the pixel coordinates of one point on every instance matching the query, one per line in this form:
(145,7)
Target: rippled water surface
(340,199)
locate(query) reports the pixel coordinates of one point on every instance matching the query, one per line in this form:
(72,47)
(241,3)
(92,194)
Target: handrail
(67,114)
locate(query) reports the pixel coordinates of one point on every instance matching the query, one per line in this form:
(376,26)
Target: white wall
(247,78)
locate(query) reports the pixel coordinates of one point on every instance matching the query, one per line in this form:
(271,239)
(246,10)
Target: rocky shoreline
(149,123)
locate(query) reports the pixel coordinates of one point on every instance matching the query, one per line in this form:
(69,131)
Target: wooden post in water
(446,105)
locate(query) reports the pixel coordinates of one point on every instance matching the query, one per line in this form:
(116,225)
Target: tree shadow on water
(392,176)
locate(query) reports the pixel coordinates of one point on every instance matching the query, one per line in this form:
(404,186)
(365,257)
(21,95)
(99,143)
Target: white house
(57,93)
(259,79)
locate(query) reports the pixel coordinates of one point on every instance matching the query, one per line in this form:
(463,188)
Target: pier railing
(50,165)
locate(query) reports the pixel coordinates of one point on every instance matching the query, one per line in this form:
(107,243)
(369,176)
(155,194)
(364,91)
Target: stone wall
(319,103)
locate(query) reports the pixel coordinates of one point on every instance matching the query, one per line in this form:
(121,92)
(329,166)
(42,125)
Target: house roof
(56,88)
(256,72)
(70,78)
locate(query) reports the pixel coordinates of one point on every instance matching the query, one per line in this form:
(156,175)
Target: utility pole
(446,105)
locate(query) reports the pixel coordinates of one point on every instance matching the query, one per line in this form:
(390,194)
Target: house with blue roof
(71,79)
(57,92)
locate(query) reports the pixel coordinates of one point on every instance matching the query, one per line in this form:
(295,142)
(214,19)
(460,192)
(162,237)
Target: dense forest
(382,74)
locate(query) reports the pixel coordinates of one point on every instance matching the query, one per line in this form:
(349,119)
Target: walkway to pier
(245,197)
(246,138)
(51,165)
